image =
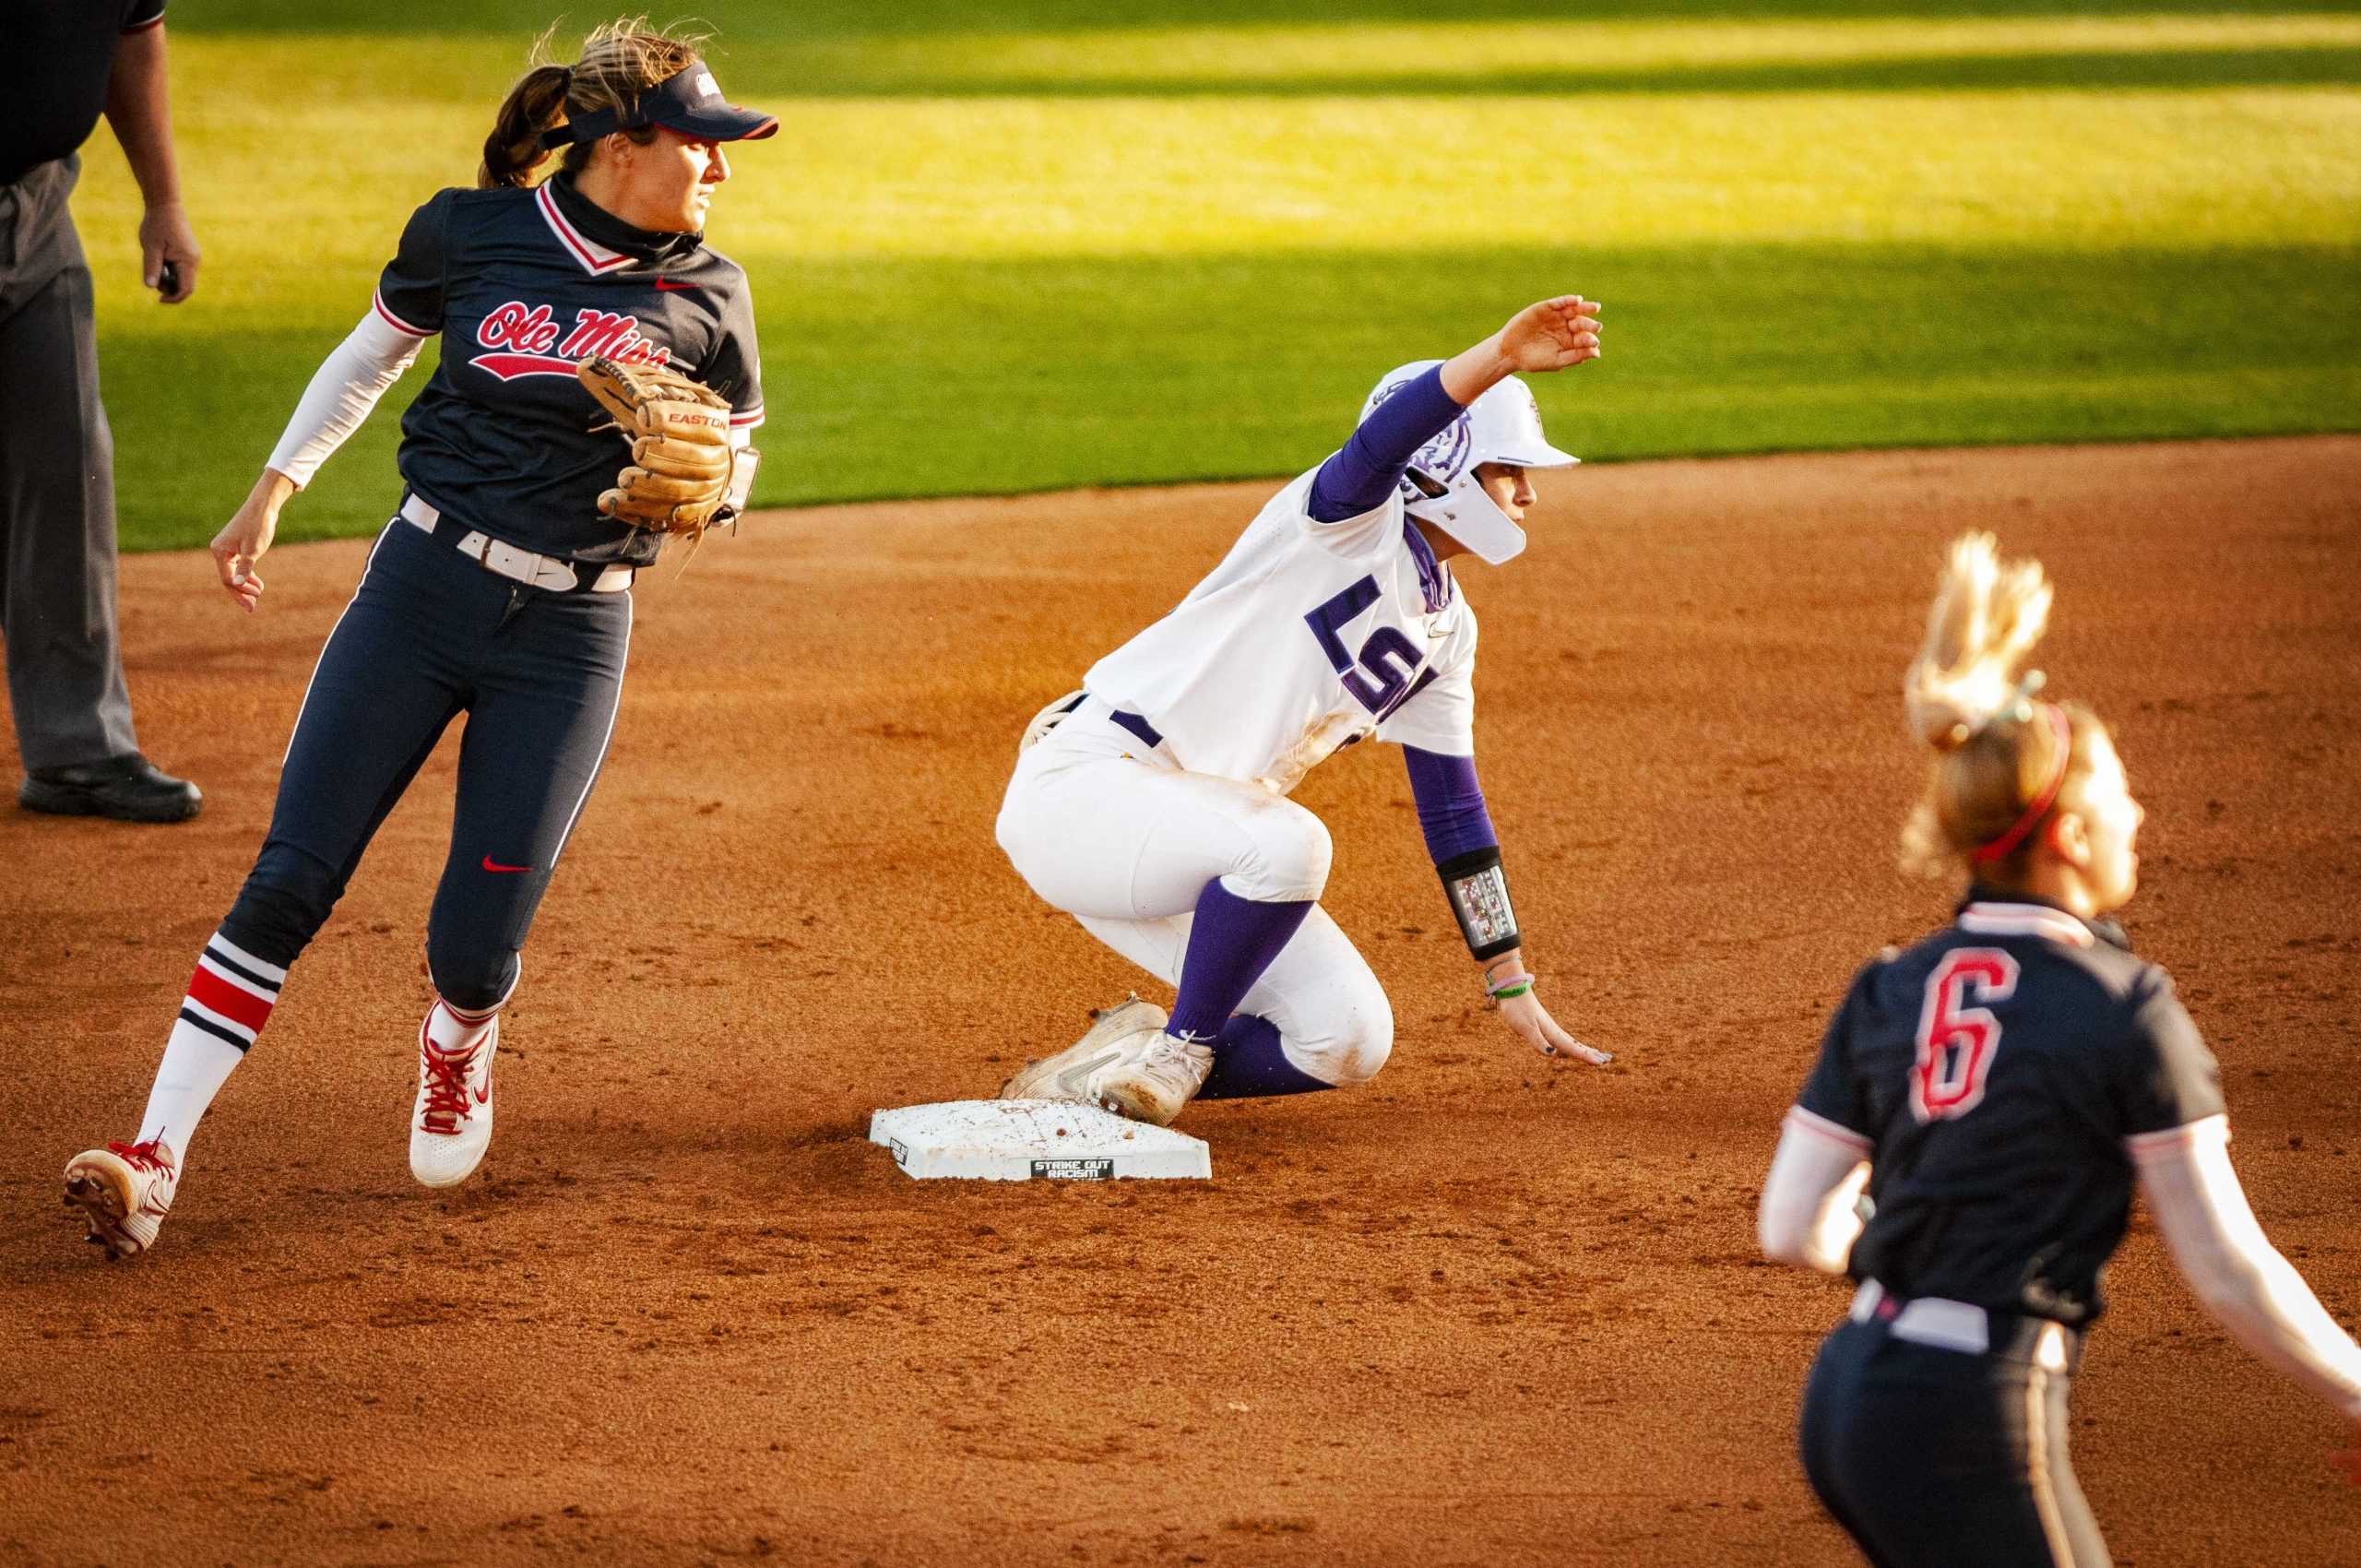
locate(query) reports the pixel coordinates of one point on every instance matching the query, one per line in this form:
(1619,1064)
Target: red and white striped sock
(230,998)
(453,1032)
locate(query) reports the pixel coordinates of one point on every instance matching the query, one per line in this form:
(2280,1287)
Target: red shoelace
(148,1155)
(446,1086)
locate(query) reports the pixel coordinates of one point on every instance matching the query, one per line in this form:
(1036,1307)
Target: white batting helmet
(1441,486)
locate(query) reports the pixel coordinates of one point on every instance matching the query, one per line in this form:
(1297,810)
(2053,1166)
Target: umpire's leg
(57,599)
(537,729)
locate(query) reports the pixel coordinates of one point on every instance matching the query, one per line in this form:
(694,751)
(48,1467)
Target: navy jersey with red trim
(1993,1075)
(523,284)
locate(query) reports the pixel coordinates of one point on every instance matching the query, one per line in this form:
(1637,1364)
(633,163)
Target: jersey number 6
(1388,654)
(1957,1042)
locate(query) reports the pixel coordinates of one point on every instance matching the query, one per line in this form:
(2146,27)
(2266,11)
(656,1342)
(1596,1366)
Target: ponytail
(1984,621)
(2001,759)
(535,104)
(618,60)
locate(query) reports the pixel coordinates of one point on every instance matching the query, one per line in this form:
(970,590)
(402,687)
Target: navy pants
(1938,1458)
(431,635)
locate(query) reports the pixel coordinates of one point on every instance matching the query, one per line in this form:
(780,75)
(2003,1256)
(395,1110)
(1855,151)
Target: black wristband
(1478,891)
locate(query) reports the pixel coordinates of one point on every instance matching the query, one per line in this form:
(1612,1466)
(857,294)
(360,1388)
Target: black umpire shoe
(128,788)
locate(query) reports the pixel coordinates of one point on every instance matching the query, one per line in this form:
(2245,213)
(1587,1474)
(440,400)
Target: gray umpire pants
(56,487)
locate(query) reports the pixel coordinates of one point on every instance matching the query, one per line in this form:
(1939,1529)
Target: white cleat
(1126,1064)
(1066,1074)
(450,1126)
(123,1191)
(1155,1082)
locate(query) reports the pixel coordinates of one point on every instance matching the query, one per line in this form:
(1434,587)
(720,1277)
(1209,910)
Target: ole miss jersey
(523,284)
(1997,1076)
(1308,636)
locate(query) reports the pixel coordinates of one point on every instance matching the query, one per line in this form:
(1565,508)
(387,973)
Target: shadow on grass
(1123,371)
(2047,71)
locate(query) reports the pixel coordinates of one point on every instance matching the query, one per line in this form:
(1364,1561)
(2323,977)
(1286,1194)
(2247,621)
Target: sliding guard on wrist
(1478,891)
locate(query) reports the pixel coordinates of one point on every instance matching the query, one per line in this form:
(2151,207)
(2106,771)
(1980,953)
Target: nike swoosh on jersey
(670,286)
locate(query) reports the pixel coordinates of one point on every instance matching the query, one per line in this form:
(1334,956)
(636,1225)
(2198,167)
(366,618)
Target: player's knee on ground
(1287,855)
(286,899)
(1352,1043)
(472,982)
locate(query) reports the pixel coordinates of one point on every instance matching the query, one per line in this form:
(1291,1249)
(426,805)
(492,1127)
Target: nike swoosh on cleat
(1073,1077)
(491,864)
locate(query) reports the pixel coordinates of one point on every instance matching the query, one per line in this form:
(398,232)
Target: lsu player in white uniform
(1152,804)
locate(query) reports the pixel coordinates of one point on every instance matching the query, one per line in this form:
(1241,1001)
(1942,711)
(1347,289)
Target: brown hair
(1997,749)
(617,61)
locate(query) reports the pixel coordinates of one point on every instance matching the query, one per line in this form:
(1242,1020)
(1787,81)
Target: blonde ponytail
(1985,620)
(2002,761)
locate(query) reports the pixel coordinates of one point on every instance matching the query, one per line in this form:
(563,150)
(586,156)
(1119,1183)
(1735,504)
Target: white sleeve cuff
(2171,1143)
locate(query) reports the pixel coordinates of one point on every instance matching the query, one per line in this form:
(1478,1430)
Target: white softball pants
(1124,840)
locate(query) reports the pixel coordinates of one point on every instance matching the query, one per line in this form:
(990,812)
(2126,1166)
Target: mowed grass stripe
(1750,348)
(1009,178)
(1568,56)
(961,290)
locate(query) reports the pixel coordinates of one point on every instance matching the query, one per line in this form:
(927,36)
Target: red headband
(1998,848)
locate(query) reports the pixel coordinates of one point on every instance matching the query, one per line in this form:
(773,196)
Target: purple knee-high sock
(1250,1064)
(1233,941)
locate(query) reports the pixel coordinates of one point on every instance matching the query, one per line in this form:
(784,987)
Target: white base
(1017,1140)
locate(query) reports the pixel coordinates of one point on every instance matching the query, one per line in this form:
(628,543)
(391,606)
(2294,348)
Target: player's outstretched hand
(1552,333)
(1528,1018)
(240,544)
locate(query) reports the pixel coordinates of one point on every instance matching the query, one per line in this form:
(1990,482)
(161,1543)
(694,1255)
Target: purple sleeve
(1361,475)
(1450,804)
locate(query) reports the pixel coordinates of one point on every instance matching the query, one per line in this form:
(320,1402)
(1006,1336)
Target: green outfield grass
(1010,245)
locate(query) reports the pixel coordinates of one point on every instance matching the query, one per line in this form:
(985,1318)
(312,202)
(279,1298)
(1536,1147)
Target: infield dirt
(1487,1310)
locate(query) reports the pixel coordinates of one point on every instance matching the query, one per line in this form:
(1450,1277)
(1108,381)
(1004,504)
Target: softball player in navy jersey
(1152,806)
(2000,1087)
(498,590)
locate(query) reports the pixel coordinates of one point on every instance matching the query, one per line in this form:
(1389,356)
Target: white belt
(1952,1325)
(508,561)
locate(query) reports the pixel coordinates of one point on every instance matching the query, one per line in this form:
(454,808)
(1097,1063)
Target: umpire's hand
(168,255)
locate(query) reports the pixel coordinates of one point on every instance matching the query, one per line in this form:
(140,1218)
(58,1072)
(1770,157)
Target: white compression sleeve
(347,385)
(1809,1215)
(2185,1174)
